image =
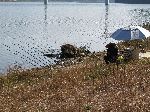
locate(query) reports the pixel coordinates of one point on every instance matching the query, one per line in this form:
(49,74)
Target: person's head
(110,45)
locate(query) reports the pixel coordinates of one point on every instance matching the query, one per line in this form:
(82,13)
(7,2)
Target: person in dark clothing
(112,53)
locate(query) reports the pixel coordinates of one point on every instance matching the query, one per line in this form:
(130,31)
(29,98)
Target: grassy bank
(87,86)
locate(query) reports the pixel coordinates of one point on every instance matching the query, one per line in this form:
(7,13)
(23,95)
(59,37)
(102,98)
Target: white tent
(130,33)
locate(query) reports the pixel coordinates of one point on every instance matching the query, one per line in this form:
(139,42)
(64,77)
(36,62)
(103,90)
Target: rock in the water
(70,51)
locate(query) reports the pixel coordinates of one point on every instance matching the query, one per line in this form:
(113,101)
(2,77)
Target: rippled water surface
(27,30)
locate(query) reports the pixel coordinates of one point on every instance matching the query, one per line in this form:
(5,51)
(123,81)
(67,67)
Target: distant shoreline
(75,2)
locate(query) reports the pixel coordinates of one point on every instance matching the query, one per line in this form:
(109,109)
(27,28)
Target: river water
(27,30)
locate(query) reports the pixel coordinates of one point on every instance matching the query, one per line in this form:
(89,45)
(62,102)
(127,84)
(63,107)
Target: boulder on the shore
(70,51)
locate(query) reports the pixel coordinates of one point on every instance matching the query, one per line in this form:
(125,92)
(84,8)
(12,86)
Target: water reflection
(45,22)
(45,14)
(106,20)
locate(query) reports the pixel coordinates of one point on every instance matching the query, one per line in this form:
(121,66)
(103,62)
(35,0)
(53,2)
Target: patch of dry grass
(89,86)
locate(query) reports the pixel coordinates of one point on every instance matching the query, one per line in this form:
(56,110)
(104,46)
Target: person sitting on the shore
(128,52)
(112,53)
